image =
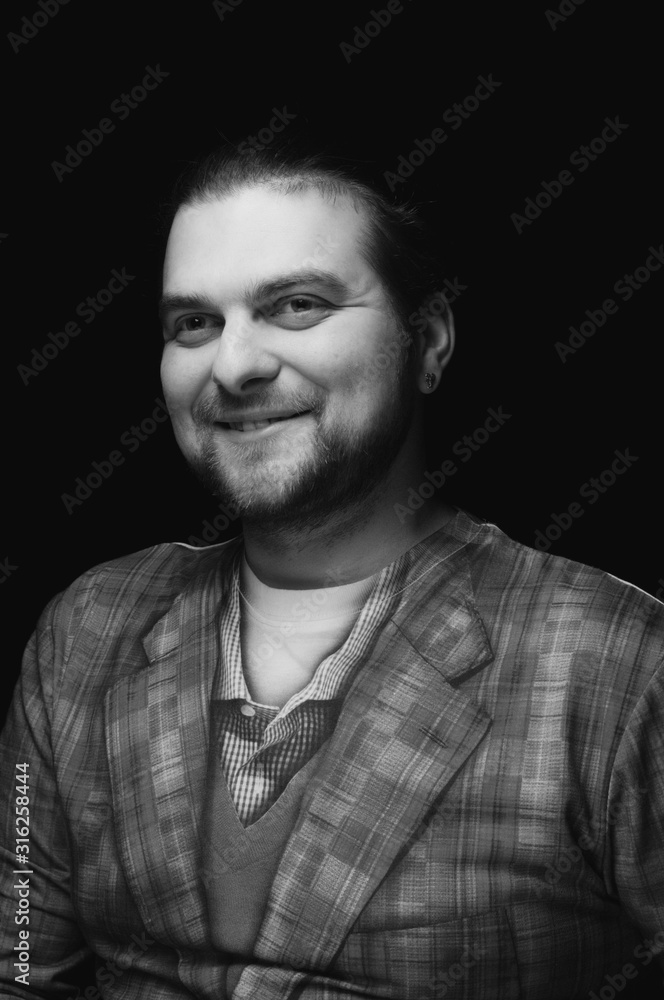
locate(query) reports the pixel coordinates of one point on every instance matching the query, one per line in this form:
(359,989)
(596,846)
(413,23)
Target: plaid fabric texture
(486,820)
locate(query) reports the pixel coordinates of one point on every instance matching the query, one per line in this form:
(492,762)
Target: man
(348,753)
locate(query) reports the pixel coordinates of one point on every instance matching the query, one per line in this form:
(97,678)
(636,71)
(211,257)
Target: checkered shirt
(260,753)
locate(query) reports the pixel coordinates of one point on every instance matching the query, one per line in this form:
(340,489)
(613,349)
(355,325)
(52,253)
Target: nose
(244,359)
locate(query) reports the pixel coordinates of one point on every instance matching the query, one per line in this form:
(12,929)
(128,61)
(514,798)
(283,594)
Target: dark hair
(397,245)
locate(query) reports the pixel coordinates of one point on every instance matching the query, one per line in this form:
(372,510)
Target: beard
(339,467)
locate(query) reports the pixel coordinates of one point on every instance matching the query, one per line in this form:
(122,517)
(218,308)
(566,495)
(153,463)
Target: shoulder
(557,587)
(166,567)
(565,623)
(93,631)
(140,586)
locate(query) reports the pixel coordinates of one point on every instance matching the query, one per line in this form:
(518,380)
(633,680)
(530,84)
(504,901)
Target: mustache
(217,408)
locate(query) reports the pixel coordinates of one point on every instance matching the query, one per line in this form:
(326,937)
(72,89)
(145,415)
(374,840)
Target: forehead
(258,231)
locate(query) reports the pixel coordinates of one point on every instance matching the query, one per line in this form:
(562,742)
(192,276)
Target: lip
(258,425)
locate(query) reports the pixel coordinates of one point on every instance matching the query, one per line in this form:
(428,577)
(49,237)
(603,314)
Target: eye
(194,329)
(191,323)
(299,311)
(302,303)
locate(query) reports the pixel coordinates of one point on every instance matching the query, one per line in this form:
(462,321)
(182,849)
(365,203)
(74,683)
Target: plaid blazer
(486,823)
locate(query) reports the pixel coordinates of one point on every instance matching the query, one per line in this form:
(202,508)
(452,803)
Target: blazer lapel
(157,731)
(403,734)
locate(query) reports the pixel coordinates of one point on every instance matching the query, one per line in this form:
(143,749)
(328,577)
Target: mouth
(258,425)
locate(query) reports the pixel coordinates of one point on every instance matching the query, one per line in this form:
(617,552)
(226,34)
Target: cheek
(182,382)
(361,398)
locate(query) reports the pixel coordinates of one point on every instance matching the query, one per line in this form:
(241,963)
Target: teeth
(251,426)
(256,425)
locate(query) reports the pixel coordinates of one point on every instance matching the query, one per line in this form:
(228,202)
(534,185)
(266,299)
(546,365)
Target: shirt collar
(334,675)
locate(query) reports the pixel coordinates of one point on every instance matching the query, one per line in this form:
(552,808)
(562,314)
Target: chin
(257,488)
(315,480)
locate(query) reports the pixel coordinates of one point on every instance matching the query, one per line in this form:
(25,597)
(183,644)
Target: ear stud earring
(430,380)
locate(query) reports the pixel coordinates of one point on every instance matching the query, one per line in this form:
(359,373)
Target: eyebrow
(170,303)
(309,276)
(278,284)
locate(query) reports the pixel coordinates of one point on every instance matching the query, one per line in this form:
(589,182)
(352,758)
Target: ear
(436,343)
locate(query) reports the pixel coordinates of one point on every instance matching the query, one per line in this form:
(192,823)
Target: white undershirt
(286,634)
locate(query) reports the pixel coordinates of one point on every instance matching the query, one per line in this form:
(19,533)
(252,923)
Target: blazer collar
(404,732)
(437,613)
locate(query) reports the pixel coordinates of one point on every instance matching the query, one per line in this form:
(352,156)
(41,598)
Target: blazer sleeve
(35,893)
(635,820)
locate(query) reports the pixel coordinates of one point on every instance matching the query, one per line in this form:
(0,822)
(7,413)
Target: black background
(226,72)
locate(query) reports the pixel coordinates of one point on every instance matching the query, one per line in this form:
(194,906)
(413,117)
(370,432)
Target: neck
(352,544)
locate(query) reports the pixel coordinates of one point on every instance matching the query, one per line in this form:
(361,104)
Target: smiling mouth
(257,425)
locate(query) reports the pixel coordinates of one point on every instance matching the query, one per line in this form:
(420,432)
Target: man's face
(283,368)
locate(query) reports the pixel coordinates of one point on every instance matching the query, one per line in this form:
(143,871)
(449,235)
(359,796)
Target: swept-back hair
(397,243)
